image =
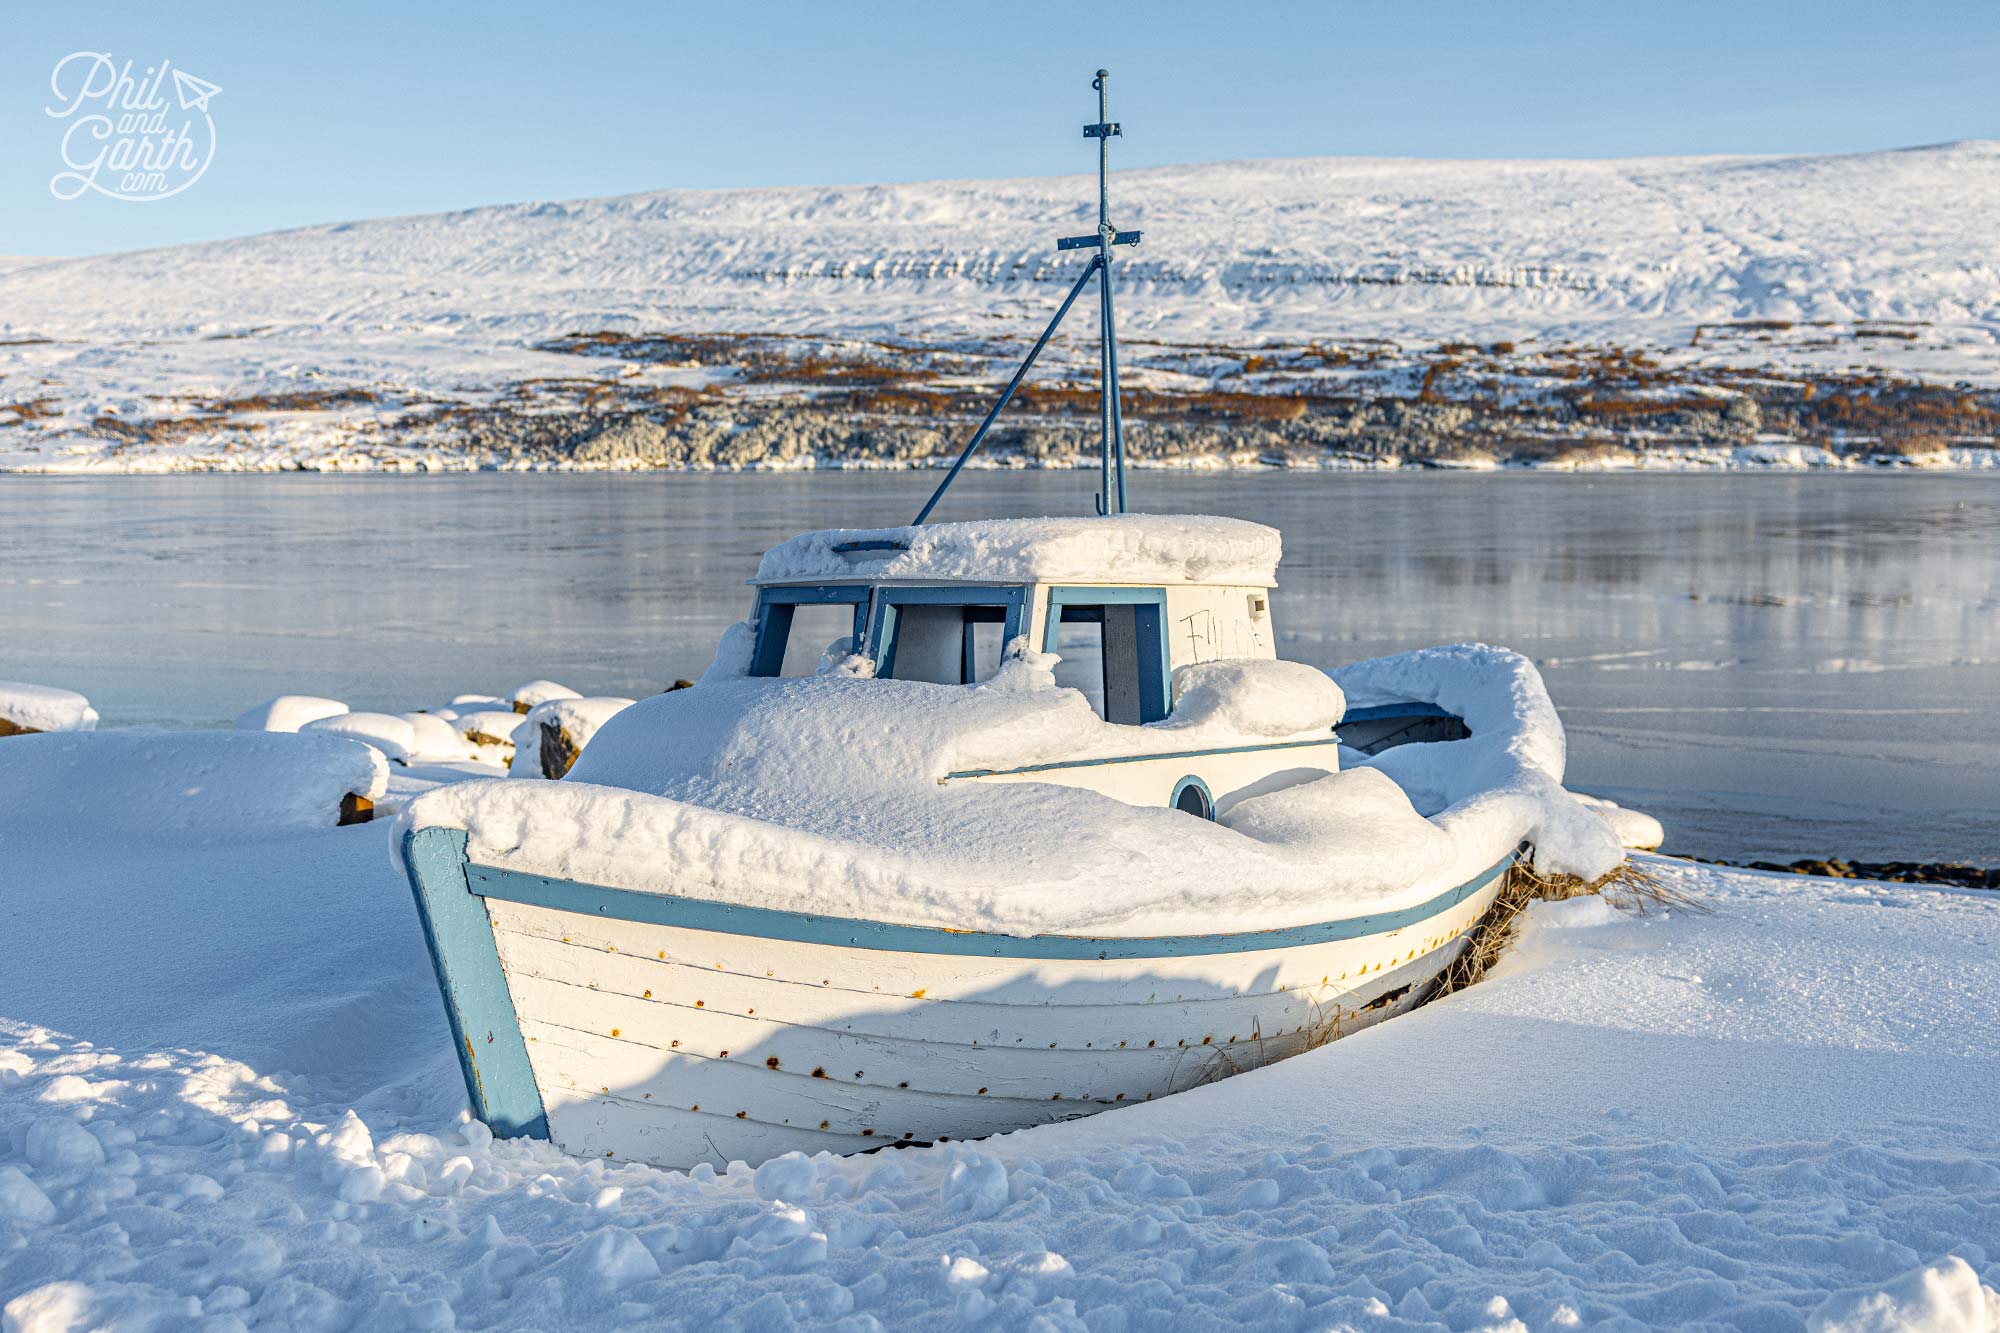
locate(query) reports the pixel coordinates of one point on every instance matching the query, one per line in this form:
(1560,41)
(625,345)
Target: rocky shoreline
(1953,873)
(767,402)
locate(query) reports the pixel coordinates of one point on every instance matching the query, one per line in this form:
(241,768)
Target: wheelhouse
(1118,644)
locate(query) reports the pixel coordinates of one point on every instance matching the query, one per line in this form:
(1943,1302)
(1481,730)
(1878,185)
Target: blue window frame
(1007,603)
(1149,614)
(774,619)
(1192,797)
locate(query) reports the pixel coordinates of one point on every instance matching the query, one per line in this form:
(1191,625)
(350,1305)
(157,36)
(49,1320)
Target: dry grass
(1597,405)
(309,400)
(1630,887)
(31,409)
(1907,446)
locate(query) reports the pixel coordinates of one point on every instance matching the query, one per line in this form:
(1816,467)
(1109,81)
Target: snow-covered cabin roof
(1121,549)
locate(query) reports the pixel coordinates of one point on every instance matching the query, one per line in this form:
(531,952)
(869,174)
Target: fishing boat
(975,826)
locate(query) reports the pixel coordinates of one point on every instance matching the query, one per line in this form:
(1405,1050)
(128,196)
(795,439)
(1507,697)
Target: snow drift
(288,712)
(137,784)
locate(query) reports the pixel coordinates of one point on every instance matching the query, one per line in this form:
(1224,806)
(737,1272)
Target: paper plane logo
(124,137)
(194,93)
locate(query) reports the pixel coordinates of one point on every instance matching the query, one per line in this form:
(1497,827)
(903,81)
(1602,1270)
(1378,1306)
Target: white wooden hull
(674,1046)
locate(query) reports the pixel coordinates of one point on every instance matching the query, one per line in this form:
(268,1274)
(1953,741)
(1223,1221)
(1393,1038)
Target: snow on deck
(1119,549)
(822,794)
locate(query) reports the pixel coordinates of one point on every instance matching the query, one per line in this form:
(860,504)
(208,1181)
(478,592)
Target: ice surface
(45,708)
(288,712)
(1122,548)
(133,785)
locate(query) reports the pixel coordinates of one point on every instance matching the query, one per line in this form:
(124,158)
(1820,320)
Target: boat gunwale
(684,912)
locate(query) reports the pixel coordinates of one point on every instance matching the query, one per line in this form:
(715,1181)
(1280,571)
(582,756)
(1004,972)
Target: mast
(1111,427)
(1111,430)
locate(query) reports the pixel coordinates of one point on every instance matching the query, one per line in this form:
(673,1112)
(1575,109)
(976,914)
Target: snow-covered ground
(291,345)
(1736,1119)
(228,1098)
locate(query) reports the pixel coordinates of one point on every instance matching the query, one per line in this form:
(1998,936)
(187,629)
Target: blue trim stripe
(1135,758)
(491,1053)
(846,932)
(815,592)
(1077,595)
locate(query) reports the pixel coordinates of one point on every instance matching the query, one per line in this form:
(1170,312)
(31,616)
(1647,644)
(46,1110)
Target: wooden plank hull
(675,1044)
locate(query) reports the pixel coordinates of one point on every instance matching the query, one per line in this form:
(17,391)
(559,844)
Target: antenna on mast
(1111,427)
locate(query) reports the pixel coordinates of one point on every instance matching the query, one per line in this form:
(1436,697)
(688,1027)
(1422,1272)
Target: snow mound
(1633,828)
(1514,756)
(797,740)
(489,729)
(45,708)
(1123,548)
(1256,697)
(392,735)
(576,717)
(139,784)
(435,740)
(495,724)
(288,712)
(539,692)
(1945,1297)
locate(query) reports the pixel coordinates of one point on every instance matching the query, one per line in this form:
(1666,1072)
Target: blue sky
(337,112)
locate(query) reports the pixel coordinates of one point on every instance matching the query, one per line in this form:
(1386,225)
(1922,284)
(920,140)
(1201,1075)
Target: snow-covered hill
(1886,262)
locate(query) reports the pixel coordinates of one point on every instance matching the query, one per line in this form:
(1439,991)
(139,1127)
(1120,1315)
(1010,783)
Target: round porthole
(1191,798)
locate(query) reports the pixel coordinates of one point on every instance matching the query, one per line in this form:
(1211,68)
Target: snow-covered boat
(1049,829)
(975,826)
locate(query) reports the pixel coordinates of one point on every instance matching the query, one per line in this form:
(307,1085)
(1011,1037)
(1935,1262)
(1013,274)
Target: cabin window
(795,626)
(1114,649)
(949,636)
